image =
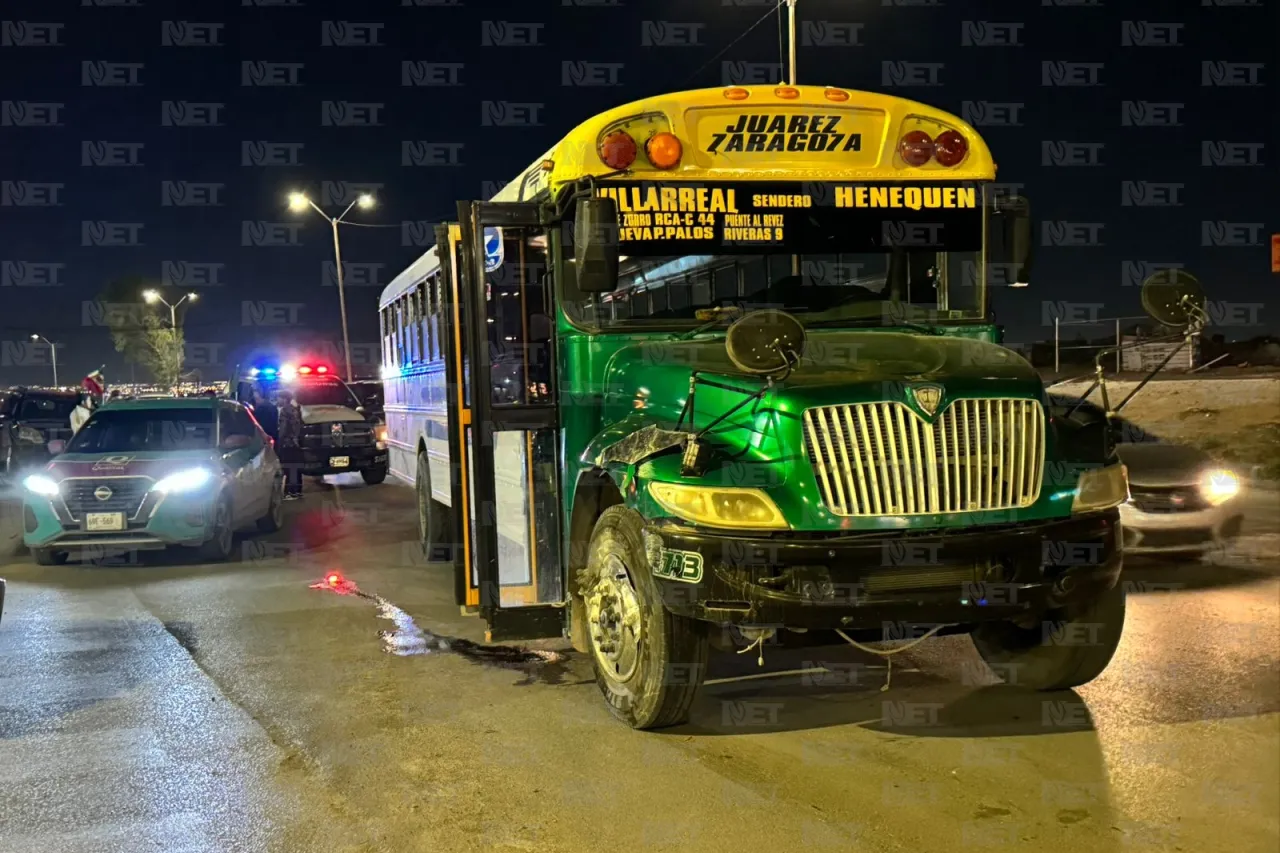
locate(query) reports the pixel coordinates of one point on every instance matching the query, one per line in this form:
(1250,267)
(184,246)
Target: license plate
(339,461)
(98,521)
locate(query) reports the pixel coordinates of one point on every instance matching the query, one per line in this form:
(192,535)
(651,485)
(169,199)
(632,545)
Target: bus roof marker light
(835,94)
(736,93)
(916,148)
(618,150)
(787,93)
(950,148)
(663,150)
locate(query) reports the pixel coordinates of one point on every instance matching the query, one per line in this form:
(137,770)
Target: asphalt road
(183,707)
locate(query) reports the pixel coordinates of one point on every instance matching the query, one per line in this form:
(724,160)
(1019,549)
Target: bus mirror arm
(595,245)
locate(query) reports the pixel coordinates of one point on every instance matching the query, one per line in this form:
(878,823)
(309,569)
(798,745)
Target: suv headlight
(186,480)
(38,484)
(1101,488)
(716,506)
(1218,485)
(26,433)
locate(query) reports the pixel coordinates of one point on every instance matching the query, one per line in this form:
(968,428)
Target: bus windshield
(808,249)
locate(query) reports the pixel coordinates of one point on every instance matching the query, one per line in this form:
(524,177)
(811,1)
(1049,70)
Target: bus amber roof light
(663,150)
(618,150)
(836,94)
(736,93)
(787,93)
(950,148)
(916,148)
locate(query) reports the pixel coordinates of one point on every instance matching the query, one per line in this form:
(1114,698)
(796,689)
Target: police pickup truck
(338,435)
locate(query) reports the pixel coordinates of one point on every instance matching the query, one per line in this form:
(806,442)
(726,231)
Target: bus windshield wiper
(714,317)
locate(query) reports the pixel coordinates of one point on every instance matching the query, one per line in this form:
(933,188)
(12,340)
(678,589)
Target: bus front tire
(433,522)
(1063,649)
(649,663)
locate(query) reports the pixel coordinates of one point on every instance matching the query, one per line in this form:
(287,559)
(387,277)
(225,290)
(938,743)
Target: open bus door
(503,422)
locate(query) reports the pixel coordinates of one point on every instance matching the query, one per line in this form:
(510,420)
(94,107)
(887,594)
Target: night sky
(153,138)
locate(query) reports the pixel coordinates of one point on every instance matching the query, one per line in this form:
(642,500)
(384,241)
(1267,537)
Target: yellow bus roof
(704,120)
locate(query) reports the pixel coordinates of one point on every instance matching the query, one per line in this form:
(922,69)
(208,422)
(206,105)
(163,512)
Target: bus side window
(520,322)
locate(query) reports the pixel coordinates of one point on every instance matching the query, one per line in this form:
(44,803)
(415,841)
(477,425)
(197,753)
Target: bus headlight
(717,506)
(1101,488)
(380,437)
(1218,485)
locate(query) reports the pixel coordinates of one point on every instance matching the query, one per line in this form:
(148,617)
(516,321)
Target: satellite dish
(1173,298)
(764,342)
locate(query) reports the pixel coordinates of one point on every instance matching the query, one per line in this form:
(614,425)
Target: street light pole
(53,354)
(299,202)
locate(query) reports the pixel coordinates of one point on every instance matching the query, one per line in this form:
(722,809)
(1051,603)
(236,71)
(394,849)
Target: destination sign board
(674,218)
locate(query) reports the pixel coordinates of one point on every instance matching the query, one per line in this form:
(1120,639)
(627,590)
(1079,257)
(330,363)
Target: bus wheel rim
(616,621)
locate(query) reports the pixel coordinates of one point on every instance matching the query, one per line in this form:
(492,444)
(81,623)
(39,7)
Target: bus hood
(329,415)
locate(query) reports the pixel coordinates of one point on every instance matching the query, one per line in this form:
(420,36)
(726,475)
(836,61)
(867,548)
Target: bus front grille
(883,459)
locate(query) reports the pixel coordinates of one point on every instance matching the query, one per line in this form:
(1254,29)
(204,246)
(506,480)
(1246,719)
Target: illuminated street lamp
(53,353)
(153,296)
(298,202)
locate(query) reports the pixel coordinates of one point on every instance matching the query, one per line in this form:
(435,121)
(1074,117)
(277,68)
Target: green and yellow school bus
(719,368)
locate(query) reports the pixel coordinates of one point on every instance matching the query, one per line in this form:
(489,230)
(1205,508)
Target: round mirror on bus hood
(764,342)
(1173,298)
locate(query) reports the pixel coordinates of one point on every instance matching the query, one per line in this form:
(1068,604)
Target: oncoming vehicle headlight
(1101,488)
(40,485)
(1218,485)
(716,506)
(380,436)
(186,480)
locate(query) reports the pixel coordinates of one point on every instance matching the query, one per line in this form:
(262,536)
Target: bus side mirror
(595,245)
(1012,224)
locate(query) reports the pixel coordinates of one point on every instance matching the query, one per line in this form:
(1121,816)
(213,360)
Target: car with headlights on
(1181,503)
(148,474)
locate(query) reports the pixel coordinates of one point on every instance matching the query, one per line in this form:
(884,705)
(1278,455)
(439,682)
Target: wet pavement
(183,707)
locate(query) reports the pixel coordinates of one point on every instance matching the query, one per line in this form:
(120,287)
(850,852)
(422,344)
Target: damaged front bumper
(819,581)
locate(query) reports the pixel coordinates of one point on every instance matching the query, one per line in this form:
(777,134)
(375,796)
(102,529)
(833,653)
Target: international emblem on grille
(103,493)
(927,398)
(335,429)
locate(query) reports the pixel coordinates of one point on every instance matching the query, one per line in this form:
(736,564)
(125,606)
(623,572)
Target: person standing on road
(289,429)
(268,417)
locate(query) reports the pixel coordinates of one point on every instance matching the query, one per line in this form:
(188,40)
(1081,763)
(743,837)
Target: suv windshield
(37,407)
(139,430)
